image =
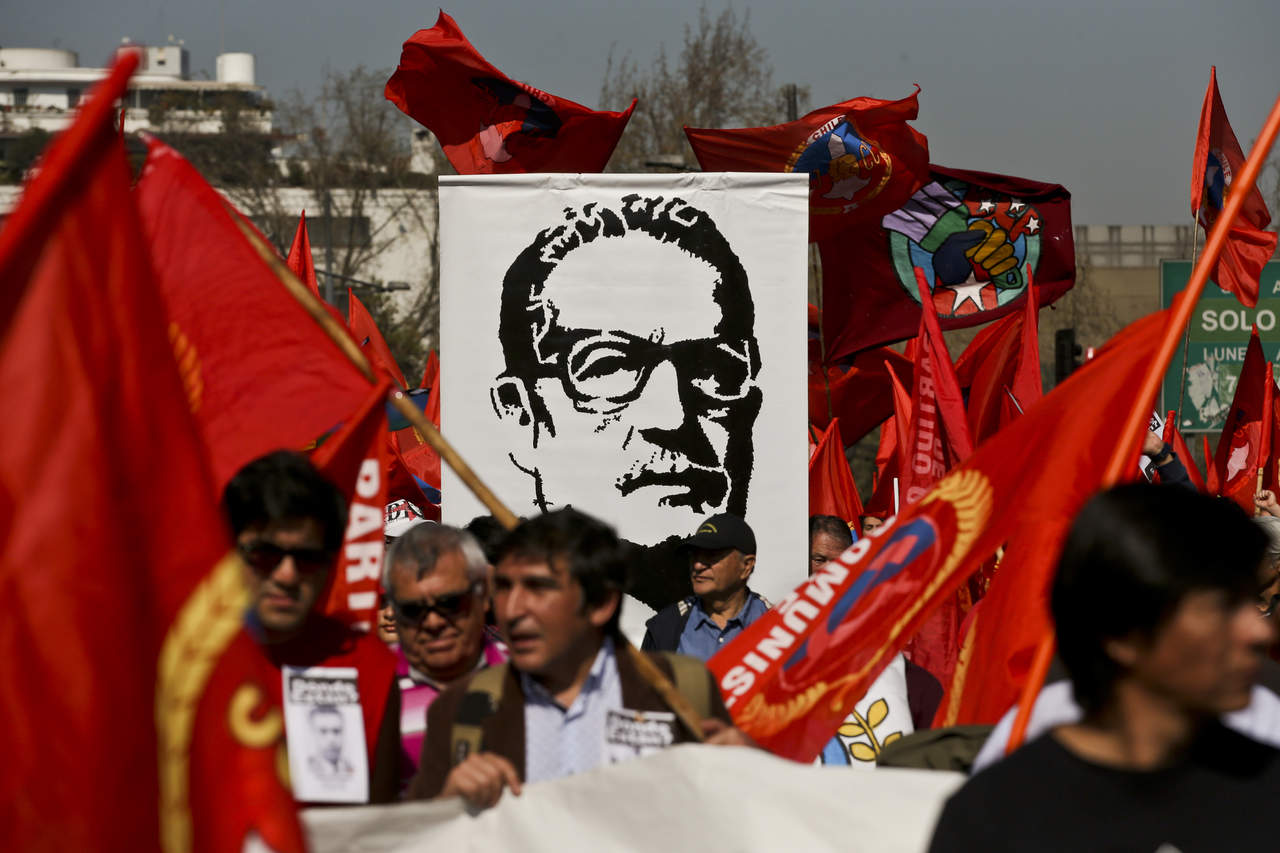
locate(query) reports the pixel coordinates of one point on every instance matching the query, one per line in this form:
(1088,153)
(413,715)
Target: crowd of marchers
(498,661)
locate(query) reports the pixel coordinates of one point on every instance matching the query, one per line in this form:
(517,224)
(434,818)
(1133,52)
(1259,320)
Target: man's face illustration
(650,380)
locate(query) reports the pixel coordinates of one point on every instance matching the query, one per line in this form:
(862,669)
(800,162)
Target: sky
(1102,97)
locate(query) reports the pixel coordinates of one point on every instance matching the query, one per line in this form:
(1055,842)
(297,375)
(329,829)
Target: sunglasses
(450,606)
(263,557)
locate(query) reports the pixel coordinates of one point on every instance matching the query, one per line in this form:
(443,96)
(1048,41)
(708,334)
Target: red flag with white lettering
(355,459)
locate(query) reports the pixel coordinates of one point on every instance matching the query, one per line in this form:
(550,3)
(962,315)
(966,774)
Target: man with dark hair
(829,537)
(659,413)
(722,556)
(1154,606)
(572,697)
(288,522)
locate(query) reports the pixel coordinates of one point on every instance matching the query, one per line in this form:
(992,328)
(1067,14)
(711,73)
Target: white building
(40,88)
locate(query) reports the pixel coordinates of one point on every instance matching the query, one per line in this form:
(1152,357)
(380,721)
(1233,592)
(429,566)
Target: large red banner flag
(1218,159)
(356,459)
(116,614)
(1237,458)
(832,490)
(980,239)
(488,123)
(862,158)
(791,677)
(268,375)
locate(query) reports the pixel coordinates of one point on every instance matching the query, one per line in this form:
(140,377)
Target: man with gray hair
(437,583)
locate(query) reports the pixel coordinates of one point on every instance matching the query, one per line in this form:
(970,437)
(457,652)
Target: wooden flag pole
(647,669)
(1129,432)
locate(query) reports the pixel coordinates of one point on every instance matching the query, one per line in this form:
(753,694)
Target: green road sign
(1219,336)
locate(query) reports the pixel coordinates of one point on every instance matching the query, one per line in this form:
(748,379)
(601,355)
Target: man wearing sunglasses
(644,416)
(436,579)
(288,523)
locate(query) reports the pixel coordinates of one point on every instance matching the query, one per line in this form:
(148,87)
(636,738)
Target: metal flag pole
(1186,334)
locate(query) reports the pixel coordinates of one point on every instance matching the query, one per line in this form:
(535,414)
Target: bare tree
(722,78)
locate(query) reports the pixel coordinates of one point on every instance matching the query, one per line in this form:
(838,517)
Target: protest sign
(632,345)
(325,730)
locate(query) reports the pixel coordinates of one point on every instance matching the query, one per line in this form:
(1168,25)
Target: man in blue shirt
(722,556)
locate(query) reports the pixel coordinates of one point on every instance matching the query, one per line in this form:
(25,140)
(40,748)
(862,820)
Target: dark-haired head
(1132,556)
(587,548)
(284,487)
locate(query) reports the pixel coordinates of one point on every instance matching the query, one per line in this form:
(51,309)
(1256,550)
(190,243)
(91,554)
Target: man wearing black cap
(722,555)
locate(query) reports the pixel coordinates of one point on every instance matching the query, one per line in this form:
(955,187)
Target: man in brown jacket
(571,698)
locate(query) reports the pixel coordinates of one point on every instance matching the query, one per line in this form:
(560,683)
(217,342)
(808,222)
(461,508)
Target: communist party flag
(1173,437)
(862,158)
(1218,158)
(832,490)
(488,123)
(269,377)
(1005,362)
(366,333)
(976,235)
(1237,458)
(790,678)
(123,600)
(355,459)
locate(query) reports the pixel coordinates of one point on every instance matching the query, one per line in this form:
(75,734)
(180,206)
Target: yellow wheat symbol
(184,353)
(867,725)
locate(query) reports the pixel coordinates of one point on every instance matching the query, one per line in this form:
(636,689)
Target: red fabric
(1236,460)
(1218,158)
(793,674)
(488,123)
(1174,438)
(402,486)
(423,462)
(1272,471)
(108,529)
(1002,365)
(868,289)
(831,487)
(861,396)
(431,373)
(365,331)
(862,158)
(355,459)
(1211,484)
(300,261)
(891,452)
(268,376)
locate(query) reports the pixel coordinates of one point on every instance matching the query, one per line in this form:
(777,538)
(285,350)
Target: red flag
(862,158)
(891,453)
(976,235)
(268,376)
(1237,459)
(1174,439)
(488,123)
(431,373)
(120,603)
(355,459)
(1212,486)
(832,490)
(790,677)
(861,396)
(366,333)
(1006,363)
(300,261)
(1217,160)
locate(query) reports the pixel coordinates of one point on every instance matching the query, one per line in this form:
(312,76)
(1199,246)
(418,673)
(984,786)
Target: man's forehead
(519,566)
(614,284)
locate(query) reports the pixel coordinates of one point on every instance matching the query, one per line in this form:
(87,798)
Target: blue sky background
(1102,97)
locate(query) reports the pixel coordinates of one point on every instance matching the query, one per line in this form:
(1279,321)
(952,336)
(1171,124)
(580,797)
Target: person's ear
(510,401)
(748,566)
(600,614)
(1125,651)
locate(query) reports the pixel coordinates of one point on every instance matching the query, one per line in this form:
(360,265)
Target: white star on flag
(970,291)
(1033,225)
(1015,205)
(986,207)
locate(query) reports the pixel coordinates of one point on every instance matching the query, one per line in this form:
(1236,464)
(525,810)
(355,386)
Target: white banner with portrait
(632,345)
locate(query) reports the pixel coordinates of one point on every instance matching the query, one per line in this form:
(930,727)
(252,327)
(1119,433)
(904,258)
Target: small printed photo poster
(324,726)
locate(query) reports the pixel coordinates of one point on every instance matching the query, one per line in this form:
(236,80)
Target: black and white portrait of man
(660,405)
(633,346)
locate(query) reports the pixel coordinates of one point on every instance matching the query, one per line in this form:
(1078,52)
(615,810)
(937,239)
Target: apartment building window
(20,97)
(73,98)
